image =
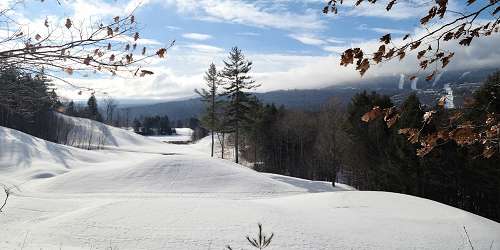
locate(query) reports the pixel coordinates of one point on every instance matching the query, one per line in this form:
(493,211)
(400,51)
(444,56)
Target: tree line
(29,103)
(26,101)
(335,144)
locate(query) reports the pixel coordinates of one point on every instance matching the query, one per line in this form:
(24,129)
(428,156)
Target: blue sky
(291,42)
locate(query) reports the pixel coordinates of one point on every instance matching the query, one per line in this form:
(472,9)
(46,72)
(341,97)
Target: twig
(7,194)
(468,238)
(24,242)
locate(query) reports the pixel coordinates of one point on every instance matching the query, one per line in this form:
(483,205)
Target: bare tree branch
(7,194)
(463,29)
(70,47)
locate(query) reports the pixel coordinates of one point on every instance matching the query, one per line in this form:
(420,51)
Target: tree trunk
(236,142)
(222,144)
(255,153)
(212,154)
(213,116)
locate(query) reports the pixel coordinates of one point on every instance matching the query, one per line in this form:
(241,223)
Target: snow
(401,81)
(464,74)
(139,193)
(437,78)
(414,83)
(181,135)
(449,104)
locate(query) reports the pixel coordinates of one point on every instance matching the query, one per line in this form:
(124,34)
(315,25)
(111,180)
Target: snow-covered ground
(143,194)
(181,135)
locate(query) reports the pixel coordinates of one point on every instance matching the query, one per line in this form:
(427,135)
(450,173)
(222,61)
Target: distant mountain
(176,110)
(398,86)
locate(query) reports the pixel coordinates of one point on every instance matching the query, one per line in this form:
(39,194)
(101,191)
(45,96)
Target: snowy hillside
(139,193)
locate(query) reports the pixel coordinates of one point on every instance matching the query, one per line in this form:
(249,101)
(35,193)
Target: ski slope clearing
(181,135)
(139,193)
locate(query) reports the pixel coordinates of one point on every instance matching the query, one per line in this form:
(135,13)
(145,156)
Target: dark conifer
(238,83)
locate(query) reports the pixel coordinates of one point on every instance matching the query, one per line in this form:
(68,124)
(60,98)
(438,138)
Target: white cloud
(335,40)
(135,4)
(247,34)
(391,31)
(325,70)
(140,41)
(84,9)
(204,48)
(4,4)
(182,71)
(401,10)
(249,13)
(335,49)
(165,84)
(170,27)
(197,36)
(308,39)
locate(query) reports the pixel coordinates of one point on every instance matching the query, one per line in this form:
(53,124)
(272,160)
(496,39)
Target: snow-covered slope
(101,134)
(47,167)
(24,157)
(144,194)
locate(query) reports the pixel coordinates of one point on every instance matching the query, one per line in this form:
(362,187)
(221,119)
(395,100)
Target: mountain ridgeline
(397,86)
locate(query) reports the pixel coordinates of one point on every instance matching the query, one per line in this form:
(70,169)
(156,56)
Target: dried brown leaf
(372,114)
(415,45)
(442,101)
(363,66)
(110,31)
(390,4)
(68,70)
(431,76)
(87,60)
(386,39)
(161,52)
(421,53)
(146,72)
(68,23)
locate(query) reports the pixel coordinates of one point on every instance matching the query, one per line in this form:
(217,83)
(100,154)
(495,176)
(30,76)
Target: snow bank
(170,174)
(181,135)
(21,152)
(82,129)
(329,220)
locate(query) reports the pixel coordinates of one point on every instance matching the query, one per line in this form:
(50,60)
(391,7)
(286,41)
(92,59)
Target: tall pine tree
(209,96)
(238,82)
(92,110)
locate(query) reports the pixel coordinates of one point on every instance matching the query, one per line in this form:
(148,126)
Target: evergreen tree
(237,82)
(209,96)
(27,102)
(70,109)
(372,142)
(411,176)
(193,123)
(179,124)
(165,128)
(92,109)
(136,124)
(487,98)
